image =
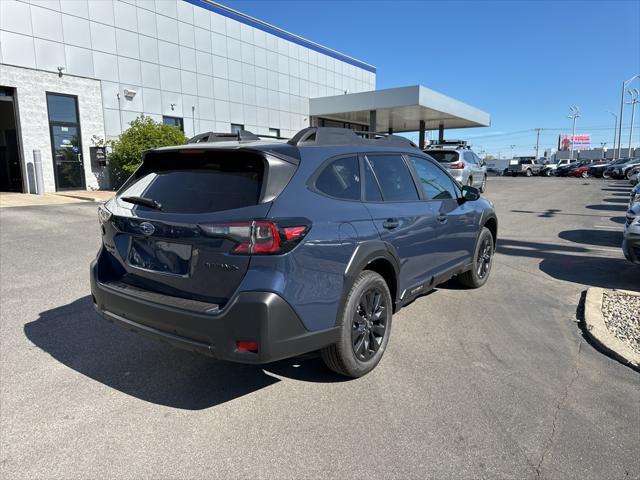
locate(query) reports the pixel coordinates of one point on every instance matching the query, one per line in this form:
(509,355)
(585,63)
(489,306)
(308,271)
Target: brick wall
(31,87)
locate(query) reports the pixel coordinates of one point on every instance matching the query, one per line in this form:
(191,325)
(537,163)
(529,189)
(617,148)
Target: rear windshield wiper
(146,202)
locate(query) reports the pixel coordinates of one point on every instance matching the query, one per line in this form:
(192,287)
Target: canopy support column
(421,135)
(441,133)
(372,120)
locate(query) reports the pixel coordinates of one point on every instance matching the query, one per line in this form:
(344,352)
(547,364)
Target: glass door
(66,143)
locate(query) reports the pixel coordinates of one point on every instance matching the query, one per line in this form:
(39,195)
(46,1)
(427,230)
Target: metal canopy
(400,109)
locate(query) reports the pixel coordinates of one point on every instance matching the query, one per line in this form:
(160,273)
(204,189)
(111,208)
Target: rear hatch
(449,159)
(176,227)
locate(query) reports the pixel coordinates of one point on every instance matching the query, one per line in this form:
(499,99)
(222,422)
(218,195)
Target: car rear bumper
(263,317)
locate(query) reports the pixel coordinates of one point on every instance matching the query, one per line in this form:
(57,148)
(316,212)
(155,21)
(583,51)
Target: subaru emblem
(147,228)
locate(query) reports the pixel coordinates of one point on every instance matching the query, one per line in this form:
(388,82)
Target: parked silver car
(464,165)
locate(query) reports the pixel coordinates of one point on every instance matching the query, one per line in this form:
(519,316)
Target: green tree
(143,133)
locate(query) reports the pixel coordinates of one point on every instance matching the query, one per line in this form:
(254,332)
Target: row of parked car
(621,168)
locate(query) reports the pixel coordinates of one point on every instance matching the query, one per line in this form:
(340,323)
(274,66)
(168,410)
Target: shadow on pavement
(613,208)
(602,238)
(552,212)
(616,200)
(564,263)
(620,220)
(153,371)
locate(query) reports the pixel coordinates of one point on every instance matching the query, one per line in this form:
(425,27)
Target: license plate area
(159,256)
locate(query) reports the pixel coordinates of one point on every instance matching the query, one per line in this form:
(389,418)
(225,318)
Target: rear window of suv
(198,182)
(443,156)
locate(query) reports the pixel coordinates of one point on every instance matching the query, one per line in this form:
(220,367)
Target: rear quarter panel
(311,277)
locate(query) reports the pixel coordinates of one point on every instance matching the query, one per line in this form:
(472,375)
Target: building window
(236,127)
(174,121)
(274,132)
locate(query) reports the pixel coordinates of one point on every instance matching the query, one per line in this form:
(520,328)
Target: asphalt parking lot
(492,383)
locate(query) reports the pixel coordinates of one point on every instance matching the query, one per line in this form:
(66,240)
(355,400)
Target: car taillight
(457,166)
(258,237)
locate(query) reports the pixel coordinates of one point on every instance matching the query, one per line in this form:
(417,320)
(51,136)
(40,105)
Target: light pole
(575,113)
(602,145)
(615,132)
(624,85)
(512,147)
(634,92)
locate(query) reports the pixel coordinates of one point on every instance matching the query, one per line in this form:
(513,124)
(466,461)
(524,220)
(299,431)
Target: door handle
(442,218)
(391,223)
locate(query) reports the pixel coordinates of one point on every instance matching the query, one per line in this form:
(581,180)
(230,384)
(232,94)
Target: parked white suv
(463,165)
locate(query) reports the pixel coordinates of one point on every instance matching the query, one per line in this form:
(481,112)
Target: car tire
(585,174)
(547,172)
(629,174)
(352,355)
(482,260)
(514,174)
(606,175)
(528,173)
(483,186)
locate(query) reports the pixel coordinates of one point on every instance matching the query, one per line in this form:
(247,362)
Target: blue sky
(524,62)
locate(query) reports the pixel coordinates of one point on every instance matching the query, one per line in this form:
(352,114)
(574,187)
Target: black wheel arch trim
(364,254)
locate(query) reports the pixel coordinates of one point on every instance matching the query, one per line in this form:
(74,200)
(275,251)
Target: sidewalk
(9,199)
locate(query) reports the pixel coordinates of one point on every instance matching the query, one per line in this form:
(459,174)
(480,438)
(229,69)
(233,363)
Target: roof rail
(323,136)
(449,143)
(239,136)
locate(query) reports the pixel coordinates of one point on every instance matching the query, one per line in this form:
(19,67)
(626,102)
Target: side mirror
(470,193)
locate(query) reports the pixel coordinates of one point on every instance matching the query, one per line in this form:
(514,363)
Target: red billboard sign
(580,142)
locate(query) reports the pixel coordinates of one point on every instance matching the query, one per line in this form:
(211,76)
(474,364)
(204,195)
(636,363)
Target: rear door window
(340,179)
(435,184)
(198,182)
(393,177)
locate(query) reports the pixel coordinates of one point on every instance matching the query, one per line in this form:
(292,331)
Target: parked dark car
(566,170)
(623,170)
(255,250)
(598,169)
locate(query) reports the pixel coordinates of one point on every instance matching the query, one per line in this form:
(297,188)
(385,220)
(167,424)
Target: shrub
(143,133)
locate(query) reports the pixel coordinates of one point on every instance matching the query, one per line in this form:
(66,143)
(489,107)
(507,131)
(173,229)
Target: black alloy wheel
(369,323)
(483,262)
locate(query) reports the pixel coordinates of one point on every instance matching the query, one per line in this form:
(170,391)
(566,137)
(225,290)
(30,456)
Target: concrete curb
(87,198)
(598,332)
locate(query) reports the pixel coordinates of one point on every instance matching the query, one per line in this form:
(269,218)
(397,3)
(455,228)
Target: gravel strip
(622,317)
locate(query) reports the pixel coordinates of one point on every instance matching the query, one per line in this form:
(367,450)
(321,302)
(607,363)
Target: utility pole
(634,99)
(615,133)
(538,130)
(512,147)
(624,85)
(575,113)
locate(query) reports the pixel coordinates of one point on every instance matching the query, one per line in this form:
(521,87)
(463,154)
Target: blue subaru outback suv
(254,250)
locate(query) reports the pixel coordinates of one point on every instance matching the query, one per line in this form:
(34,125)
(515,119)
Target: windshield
(444,156)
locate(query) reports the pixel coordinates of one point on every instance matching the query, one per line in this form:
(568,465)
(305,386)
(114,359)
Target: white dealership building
(74,73)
